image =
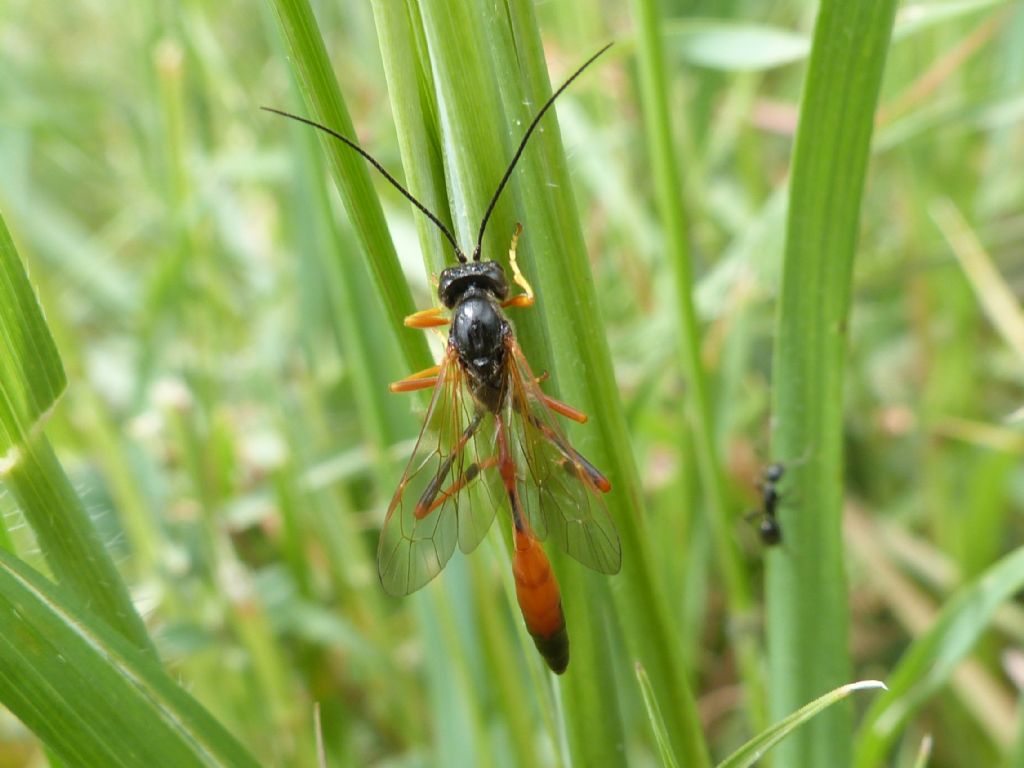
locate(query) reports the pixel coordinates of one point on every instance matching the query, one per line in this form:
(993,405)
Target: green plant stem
(670,195)
(807,600)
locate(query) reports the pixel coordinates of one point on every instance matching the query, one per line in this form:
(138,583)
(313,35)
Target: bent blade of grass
(931,659)
(739,46)
(668,758)
(88,693)
(31,373)
(806,585)
(734,47)
(31,379)
(755,749)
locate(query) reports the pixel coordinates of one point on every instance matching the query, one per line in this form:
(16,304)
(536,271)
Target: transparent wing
(561,490)
(431,508)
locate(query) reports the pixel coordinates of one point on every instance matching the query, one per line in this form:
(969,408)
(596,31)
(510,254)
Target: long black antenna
(394,182)
(522,146)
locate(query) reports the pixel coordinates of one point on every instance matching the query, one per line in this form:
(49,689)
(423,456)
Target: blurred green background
(226,424)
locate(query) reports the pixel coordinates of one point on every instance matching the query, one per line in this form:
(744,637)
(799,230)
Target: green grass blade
(924,753)
(350,172)
(737,46)
(807,597)
(668,184)
(730,46)
(87,693)
(928,664)
(755,749)
(31,372)
(571,340)
(661,738)
(31,379)
(73,548)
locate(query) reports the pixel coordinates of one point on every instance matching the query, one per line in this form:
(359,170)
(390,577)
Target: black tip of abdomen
(555,650)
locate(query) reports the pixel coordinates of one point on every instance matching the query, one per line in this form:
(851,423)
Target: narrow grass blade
(994,294)
(87,693)
(755,749)
(668,758)
(929,662)
(807,597)
(924,753)
(350,173)
(669,189)
(31,373)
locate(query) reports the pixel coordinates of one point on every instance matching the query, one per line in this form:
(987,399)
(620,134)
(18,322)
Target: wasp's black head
(458,280)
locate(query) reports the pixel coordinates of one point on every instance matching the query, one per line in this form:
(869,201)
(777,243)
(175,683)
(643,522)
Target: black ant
(769,528)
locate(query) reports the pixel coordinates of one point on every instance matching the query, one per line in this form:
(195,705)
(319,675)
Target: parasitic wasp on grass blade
(490,426)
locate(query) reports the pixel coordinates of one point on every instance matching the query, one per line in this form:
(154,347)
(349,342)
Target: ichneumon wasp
(489,426)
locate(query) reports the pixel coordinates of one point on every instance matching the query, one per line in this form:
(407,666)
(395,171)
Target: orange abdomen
(540,601)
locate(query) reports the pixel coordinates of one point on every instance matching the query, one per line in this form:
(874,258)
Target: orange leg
(520,301)
(420,380)
(426,318)
(566,410)
(412,385)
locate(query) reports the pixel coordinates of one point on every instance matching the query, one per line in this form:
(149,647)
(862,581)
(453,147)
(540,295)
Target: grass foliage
(758,232)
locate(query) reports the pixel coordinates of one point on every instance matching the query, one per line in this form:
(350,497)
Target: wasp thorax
(457,281)
(478,330)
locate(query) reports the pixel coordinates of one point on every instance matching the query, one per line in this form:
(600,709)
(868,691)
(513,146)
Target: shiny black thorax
(474,292)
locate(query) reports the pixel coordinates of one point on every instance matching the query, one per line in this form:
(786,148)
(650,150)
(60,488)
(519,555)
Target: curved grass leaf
(31,373)
(756,748)
(929,662)
(93,698)
(31,380)
(734,47)
(668,758)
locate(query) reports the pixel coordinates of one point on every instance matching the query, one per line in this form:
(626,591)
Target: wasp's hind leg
(565,410)
(524,299)
(426,318)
